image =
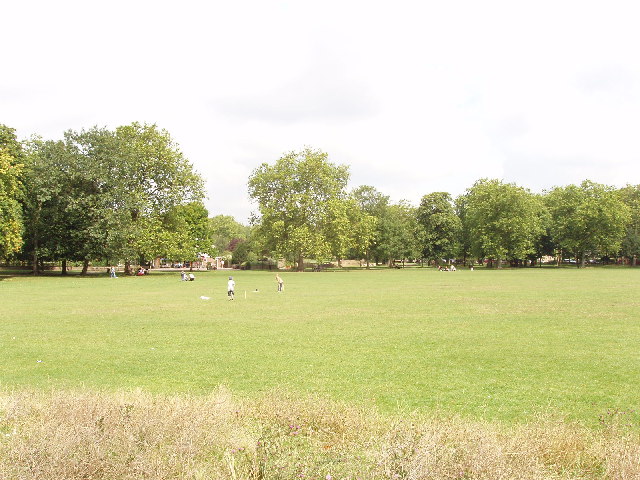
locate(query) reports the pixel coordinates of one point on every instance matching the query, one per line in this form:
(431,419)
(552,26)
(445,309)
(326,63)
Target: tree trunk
(36,219)
(300,263)
(583,260)
(85,267)
(64,267)
(35,255)
(633,261)
(127,267)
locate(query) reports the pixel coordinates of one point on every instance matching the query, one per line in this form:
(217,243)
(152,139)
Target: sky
(414,96)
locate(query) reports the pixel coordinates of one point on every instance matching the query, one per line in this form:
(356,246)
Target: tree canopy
(111,195)
(587,219)
(11,226)
(506,220)
(440,226)
(301,205)
(129,195)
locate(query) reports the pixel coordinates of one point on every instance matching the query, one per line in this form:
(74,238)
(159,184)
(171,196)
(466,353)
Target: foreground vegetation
(81,435)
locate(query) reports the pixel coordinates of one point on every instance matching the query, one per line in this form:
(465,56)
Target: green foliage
(224,230)
(400,233)
(154,177)
(503,221)
(244,252)
(11,225)
(112,196)
(440,225)
(187,227)
(368,228)
(300,199)
(588,219)
(630,195)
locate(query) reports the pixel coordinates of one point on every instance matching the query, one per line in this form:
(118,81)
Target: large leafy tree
(400,233)
(153,177)
(504,221)
(44,199)
(441,226)
(631,244)
(110,195)
(464,236)
(226,233)
(71,197)
(588,219)
(11,225)
(373,206)
(299,203)
(186,228)
(349,229)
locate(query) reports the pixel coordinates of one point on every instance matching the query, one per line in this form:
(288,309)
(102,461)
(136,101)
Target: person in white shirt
(280,283)
(231,286)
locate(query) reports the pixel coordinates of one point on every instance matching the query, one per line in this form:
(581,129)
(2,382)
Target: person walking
(231,286)
(280,283)
(112,272)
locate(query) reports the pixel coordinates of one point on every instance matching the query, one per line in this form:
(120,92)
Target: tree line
(109,195)
(129,195)
(305,211)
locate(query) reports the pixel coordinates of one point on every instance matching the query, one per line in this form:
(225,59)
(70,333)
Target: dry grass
(91,435)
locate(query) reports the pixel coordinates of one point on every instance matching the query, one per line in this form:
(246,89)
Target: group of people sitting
(142,271)
(452,268)
(187,277)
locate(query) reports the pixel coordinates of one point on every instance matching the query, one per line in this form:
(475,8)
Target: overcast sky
(415,96)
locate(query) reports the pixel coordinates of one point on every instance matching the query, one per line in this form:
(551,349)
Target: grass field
(491,345)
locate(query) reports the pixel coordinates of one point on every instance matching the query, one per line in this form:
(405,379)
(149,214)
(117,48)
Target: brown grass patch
(92,435)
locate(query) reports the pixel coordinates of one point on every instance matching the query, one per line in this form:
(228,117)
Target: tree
(109,195)
(464,236)
(400,233)
(43,196)
(363,232)
(187,227)
(11,225)
(631,244)
(299,202)
(153,176)
(226,232)
(441,226)
(244,252)
(588,219)
(504,221)
(373,206)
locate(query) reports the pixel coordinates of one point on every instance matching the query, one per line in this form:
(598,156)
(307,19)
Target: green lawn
(500,345)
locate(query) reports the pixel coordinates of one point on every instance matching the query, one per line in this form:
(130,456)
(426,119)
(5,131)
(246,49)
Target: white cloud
(415,96)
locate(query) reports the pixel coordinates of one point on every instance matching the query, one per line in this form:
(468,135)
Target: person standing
(112,272)
(231,286)
(280,283)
